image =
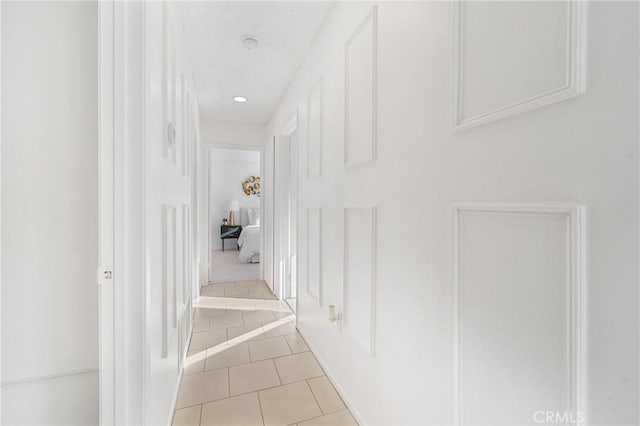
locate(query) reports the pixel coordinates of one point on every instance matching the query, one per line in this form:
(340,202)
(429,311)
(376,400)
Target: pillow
(254,216)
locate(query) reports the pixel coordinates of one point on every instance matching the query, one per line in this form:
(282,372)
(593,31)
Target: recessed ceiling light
(250,42)
(240,99)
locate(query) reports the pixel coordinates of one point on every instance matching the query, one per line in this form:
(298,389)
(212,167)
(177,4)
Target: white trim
(187,256)
(184,325)
(317,86)
(273,218)
(576,256)
(207,187)
(318,298)
(181,359)
(287,131)
(372,17)
(370,349)
(262,216)
(206,147)
(146,196)
(50,376)
(194,169)
(575,83)
(121,88)
(176,392)
(0,210)
(106,109)
(182,113)
(169,212)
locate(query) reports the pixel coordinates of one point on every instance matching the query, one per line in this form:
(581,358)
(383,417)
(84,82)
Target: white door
(168,205)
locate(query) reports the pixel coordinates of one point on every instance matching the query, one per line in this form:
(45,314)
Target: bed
(249,240)
(249,243)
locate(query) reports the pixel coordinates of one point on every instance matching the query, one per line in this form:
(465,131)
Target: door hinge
(105,275)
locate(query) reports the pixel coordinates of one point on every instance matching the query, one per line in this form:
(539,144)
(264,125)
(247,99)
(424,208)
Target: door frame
(205,149)
(117,90)
(291,126)
(106,201)
(0,211)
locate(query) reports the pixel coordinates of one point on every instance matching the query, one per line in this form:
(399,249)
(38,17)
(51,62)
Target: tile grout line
(290,348)
(249,349)
(334,391)
(260,405)
(314,396)
(277,372)
(315,417)
(333,412)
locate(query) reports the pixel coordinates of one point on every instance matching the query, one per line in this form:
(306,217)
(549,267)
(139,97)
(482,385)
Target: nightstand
(230,231)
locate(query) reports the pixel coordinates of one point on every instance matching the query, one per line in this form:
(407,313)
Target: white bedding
(249,243)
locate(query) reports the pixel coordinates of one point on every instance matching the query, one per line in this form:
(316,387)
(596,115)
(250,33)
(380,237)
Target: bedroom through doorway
(235,237)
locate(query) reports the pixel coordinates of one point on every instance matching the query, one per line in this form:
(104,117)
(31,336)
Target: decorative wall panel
(314,253)
(519,306)
(359,289)
(314,128)
(361,92)
(532,56)
(187,262)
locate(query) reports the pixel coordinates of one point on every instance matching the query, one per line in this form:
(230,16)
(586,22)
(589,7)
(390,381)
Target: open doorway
(235,239)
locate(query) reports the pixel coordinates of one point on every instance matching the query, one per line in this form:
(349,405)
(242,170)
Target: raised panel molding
(184,331)
(574,84)
(361,118)
(169,310)
(169,95)
(314,254)
(186,252)
(359,283)
(572,218)
(314,130)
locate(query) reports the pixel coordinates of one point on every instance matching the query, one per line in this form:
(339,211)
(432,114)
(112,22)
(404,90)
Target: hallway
(443,197)
(248,365)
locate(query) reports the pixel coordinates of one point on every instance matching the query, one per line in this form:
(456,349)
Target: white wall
(387,219)
(229,168)
(49,213)
(232,132)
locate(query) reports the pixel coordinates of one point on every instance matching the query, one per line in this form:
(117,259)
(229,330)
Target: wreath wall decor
(251,186)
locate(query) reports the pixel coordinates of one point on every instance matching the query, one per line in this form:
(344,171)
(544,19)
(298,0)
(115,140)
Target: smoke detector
(250,42)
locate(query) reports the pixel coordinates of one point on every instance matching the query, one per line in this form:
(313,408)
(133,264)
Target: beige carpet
(228,268)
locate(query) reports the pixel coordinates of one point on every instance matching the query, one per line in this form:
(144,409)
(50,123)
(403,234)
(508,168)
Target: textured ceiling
(224,68)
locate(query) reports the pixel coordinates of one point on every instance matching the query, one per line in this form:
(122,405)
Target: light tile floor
(248,365)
